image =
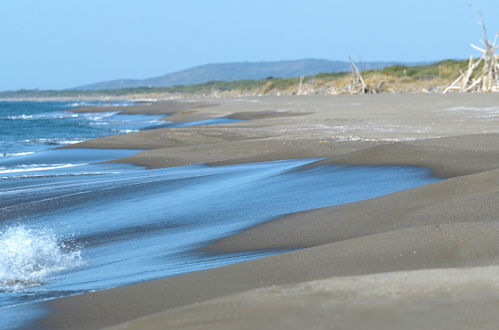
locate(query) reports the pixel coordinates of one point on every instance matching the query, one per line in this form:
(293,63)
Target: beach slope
(418,259)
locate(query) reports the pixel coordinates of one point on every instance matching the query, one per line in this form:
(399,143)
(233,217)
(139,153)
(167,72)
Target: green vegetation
(447,69)
(440,73)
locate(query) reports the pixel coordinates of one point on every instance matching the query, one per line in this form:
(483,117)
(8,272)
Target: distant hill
(409,78)
(239,71)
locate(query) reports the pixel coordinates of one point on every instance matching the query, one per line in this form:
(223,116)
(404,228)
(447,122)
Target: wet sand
(417,259)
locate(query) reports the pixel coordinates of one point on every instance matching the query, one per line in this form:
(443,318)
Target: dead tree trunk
(300,86)
(474,79)
(357,85)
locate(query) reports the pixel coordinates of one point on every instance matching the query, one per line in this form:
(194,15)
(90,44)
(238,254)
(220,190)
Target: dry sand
(428,299)
(424,258)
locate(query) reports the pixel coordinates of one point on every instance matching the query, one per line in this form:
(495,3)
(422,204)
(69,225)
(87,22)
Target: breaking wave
(98,115)
(63,115)
(15,154)
(93,104)
(52,141)
(29,256)
(51,115)
(37,176)
(35,167)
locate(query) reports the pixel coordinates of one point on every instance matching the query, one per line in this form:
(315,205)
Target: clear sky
(66,43)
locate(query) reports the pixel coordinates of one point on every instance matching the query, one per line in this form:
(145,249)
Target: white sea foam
(16,154)
(23,117)
(100,123)
(145,101)
(35,167)
(52,141)
(63,115)
(79,104)
(99,115)
(36,176)
(28,256)
(102,105)
(49,115)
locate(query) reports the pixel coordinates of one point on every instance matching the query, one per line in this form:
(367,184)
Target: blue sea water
(70,223)
(34,126)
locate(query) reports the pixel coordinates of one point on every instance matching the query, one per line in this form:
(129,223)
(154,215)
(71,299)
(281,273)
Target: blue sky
(66,43)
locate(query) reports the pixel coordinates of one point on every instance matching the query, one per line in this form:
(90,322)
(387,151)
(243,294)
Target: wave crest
(28,256)
(35,167)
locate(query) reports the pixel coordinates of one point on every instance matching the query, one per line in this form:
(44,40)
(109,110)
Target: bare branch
(478,48)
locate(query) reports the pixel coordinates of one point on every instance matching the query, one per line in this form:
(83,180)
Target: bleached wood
(476,79)
(478,48)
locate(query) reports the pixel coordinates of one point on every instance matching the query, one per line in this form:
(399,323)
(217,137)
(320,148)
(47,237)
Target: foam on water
(100,104)
(35,167)
(36,176)
(62,115)
(52,141)
(43,116)
(29,256)
(15,154)
(98,115)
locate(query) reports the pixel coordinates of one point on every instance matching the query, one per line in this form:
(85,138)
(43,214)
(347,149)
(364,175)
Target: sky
(55,44)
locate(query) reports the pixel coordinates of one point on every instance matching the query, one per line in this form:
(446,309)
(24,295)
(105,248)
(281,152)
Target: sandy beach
(422,258)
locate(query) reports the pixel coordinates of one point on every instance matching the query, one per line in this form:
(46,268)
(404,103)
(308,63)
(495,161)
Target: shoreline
(450,224)
(449,140)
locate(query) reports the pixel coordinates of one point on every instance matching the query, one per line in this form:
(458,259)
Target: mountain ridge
(240,71)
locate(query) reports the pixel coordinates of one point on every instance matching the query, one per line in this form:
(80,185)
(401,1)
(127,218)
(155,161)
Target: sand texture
(424,258)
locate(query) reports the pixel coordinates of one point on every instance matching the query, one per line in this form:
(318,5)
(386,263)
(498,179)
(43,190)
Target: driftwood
(358,85)
(378,88)
(481,75)
(300,86)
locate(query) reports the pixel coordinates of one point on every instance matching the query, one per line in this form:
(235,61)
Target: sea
(71,223)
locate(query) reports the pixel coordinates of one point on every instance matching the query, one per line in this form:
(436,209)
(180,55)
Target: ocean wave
(15,154)
(38,176)
(52,141)
(22,117)
(35,167)
(146,101)
(43,116)
(103,105)
(98,115)
(62,115)
(80,105)
(28,256)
